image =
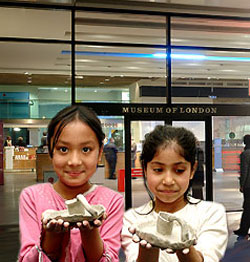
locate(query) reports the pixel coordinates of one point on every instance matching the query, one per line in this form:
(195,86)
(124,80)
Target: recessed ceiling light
(79,77)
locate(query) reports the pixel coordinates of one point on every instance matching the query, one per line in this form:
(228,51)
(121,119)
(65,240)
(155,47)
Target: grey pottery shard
(167,231)
(78,209)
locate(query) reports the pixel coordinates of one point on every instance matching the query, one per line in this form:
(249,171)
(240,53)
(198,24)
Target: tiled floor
(238,249)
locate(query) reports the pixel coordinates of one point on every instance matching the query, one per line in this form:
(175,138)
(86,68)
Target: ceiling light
(85,60)
(132,67)
(179,56)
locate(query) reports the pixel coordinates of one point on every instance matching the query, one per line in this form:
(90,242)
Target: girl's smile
(76,155)
(74,173)
(169,192)
(168,175)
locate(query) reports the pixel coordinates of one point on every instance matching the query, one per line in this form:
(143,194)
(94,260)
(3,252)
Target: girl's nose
(75,159)
(168,179)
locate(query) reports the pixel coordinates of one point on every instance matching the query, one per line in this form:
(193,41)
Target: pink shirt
(34,200)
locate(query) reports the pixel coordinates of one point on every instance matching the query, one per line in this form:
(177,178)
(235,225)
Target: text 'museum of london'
(169,110)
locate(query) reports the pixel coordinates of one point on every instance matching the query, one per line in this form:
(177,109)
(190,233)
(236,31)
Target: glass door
(138,131)
(228,143)
(198,189)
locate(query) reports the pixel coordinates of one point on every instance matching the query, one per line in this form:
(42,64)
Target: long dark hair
(162,136)
(68,115)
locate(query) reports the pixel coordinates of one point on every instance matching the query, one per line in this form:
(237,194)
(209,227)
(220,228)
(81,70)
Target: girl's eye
(86,149)
(63,149)
(158,170)
(180,170)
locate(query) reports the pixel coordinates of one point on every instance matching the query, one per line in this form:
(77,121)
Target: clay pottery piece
(78,209)
(167,231)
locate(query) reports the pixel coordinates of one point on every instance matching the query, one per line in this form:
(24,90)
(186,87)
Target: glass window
(138,131)
(111,166)
(35,81)
(35,23)
(228,133)
(120,28)
(209,32)
(108,70)
(120,75)
(202,76)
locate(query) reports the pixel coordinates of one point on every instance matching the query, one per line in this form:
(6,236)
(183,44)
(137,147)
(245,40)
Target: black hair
(161,137)
(246,140)
(69,114)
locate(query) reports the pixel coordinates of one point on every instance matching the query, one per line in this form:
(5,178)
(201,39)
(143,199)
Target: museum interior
(137,64)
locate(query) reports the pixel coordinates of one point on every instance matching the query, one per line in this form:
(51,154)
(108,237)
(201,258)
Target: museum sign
(169,110)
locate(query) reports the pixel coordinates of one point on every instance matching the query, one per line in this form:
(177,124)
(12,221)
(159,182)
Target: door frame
(208,151)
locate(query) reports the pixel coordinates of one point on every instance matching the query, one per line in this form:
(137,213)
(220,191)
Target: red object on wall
(231,159)
(135,172)
(1,153)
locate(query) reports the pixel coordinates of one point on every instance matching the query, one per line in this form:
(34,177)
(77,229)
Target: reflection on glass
(138,131)
(228,144)
(35,23)
(202,76)
(119,75)
(37,83)
(207,32)
(117,28)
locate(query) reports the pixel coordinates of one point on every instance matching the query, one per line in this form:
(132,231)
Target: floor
(238,249)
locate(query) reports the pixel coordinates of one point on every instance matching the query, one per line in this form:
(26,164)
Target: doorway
(135,192)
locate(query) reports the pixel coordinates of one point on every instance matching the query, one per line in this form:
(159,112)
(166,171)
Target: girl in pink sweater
(75,141)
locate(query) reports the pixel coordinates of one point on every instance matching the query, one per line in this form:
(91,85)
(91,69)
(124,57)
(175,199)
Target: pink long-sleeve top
(34,200)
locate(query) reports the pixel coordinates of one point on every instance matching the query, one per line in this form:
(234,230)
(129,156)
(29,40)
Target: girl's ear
(193,169)
(100,153)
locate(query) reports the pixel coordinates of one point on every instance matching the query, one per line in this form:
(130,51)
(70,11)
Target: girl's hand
(56,226)
(184,251)
(136,239)
(147,245)
(54,238)
(89,225)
